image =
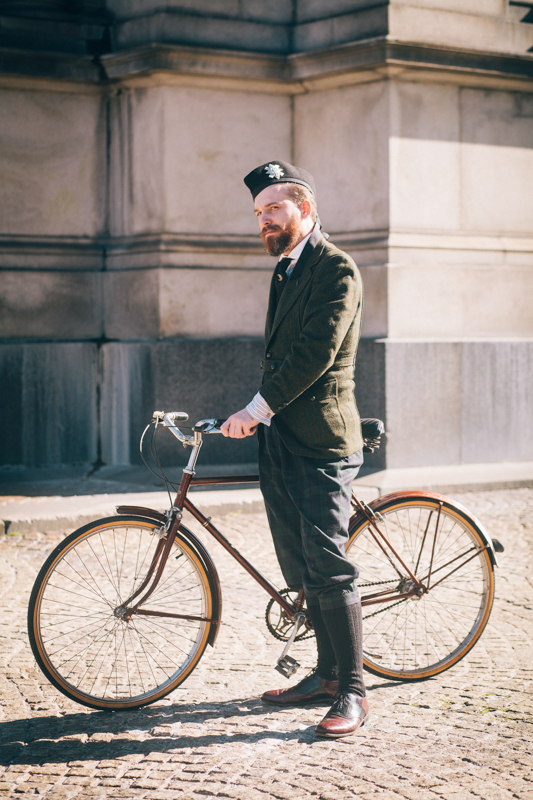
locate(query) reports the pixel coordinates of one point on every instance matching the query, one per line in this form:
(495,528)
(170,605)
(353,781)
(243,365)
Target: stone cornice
(226,251)
(371,59)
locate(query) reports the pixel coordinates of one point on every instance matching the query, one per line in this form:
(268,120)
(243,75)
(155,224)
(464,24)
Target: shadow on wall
(86,404)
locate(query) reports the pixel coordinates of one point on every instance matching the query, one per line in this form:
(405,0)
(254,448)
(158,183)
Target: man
(310,443)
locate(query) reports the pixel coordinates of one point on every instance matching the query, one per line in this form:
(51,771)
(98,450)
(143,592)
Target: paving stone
(464,734)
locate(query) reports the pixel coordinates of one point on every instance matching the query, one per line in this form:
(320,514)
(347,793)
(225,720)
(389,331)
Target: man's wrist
(259,409)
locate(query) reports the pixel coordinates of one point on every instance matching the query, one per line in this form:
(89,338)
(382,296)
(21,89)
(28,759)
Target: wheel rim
(99,657)
(421,636)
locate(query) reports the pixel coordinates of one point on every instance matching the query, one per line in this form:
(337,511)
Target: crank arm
(285,663)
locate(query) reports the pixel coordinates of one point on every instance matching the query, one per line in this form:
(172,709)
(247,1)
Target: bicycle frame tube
(162,552)
(215,481)
(181,502)
(420,586)
(221,539)
(370,517)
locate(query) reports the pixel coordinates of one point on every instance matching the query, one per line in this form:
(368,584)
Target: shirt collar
(296,252)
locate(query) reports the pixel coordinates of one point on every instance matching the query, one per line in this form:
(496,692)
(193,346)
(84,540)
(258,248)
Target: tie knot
(283,263)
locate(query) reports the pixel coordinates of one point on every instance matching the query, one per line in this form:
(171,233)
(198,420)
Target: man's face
(279,218)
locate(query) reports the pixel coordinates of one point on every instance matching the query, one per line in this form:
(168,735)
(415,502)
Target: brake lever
(209,425)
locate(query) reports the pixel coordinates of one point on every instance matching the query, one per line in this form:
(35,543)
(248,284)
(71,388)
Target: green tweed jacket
(311,340)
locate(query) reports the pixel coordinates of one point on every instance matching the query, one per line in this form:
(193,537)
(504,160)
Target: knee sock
(345,628)
(327,663)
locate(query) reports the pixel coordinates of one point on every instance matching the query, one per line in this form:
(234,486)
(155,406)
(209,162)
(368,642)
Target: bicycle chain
(308,633)
(377,583)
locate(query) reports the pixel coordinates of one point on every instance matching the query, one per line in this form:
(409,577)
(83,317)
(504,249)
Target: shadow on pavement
(54,739)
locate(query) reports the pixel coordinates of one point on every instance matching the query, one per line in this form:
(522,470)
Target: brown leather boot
(311,690)
(346,715)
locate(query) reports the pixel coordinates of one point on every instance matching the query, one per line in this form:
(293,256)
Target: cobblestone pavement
(464,734)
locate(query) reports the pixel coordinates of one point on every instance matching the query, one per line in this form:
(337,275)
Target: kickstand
(286,664)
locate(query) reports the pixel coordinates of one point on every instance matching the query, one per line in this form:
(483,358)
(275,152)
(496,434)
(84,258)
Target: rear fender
(378,505)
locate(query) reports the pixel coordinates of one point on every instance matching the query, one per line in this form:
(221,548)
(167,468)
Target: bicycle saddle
(372,430)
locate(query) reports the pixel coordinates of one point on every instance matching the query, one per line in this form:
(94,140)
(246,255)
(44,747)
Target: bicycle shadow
(70,738)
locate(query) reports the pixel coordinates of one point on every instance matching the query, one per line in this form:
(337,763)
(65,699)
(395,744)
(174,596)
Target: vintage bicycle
(123,609)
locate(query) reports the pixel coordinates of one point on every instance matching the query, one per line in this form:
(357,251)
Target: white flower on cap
(274,171)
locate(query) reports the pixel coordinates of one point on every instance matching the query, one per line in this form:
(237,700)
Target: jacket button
(313,398)
(269,355)
(261,364)
(272,366)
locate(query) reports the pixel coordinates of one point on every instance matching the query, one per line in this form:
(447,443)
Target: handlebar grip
(179,416)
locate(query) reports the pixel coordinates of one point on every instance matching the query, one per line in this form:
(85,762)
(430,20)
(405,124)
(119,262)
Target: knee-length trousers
(308,507)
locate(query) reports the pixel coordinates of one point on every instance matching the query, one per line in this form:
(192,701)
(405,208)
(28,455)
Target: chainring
(278,622)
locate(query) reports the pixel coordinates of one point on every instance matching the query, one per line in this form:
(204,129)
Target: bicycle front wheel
(441,544)
(85,648)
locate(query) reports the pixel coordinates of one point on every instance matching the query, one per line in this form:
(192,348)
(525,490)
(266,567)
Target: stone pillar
(429,195)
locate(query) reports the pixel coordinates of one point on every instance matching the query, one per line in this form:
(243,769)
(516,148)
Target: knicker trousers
(308,506)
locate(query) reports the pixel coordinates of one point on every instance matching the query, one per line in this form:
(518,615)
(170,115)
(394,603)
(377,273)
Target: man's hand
(239,425)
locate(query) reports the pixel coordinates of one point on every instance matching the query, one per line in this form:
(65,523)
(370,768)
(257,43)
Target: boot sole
(340,735)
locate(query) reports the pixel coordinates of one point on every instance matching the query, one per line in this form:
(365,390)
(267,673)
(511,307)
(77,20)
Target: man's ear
(305,209)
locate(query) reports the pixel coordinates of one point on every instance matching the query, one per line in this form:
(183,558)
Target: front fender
(150,515)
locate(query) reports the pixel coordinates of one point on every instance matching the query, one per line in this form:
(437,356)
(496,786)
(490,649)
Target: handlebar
(175,416)
(372,429)
(169,419)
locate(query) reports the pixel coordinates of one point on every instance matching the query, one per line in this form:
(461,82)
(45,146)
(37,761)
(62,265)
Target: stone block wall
(131,272)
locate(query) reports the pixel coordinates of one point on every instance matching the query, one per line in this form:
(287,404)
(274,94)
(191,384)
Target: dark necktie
(281,276)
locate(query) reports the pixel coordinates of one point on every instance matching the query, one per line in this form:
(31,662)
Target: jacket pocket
(322,414)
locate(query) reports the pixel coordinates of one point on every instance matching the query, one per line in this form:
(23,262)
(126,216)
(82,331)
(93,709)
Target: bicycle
(123,609)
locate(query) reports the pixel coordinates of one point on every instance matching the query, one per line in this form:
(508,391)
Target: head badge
(274,171)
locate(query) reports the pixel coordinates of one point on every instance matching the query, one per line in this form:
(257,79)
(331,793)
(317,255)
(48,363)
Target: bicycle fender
(200,550)
(140,511)
(377,505)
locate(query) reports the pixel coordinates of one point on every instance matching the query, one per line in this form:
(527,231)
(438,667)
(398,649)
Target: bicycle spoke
(104,657)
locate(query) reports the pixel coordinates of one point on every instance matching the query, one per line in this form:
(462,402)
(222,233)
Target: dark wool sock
(327,663)
(345,628)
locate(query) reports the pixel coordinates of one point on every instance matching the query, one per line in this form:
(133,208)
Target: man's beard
(283,240)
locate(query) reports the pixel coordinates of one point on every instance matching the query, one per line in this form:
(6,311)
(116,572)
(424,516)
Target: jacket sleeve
(333,302)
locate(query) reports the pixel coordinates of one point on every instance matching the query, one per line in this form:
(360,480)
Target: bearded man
(310,442)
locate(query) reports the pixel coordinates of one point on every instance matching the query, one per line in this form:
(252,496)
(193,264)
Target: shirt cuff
(259,409)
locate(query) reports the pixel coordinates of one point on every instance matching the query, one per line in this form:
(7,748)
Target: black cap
(277,172)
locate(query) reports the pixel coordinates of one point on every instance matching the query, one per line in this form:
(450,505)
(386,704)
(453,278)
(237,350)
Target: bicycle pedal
(287,666)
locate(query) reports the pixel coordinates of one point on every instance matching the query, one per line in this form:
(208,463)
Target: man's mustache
(270,229)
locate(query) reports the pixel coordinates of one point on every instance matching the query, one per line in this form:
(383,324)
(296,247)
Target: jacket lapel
(271,311)
(298,280)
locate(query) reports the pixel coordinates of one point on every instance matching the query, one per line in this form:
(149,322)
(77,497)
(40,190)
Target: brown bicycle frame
(171,524)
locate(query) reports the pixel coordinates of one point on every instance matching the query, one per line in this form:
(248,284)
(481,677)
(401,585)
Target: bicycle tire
(416,638)
(92,656)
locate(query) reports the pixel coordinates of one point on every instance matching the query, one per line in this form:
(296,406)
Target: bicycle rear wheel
(415,638)
(91,654)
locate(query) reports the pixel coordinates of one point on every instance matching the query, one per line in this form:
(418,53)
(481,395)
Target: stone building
(132,276)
